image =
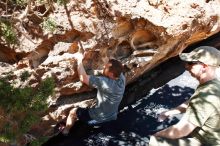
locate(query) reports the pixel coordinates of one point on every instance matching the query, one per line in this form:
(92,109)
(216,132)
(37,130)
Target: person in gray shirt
(110,89)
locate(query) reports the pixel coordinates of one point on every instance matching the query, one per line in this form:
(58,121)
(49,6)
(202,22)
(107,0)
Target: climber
(110,89)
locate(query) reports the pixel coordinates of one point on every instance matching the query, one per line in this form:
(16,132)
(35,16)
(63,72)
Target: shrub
(24,76)
(49,24)
(21,2)
(8,33)
(60,2)
(22,107)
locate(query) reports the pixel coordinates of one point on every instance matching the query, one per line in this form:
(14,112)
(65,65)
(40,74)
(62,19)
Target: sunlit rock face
(140,33)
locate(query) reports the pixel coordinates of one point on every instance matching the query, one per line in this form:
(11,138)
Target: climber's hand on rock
(79,56)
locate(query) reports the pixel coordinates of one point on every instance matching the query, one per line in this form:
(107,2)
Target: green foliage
(21,2)
(22,107)
(45,89)
(49,24)
(13,99)
(4,139)
(8,134)
(41,1)
(24,76)
(39,141)
(8,33)
(60,2)
(27,121)
(47,86)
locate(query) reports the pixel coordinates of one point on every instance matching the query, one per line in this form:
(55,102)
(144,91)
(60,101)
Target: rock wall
(140,33)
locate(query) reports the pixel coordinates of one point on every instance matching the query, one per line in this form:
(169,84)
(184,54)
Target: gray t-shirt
(109,96)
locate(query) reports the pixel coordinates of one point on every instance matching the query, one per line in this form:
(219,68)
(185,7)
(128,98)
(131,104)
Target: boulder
(140,33)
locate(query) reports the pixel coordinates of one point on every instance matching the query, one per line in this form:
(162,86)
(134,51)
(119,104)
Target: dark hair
(115,67)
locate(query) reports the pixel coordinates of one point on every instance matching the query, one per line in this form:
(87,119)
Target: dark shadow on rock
(213,41)
(154,78)
(134,124)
